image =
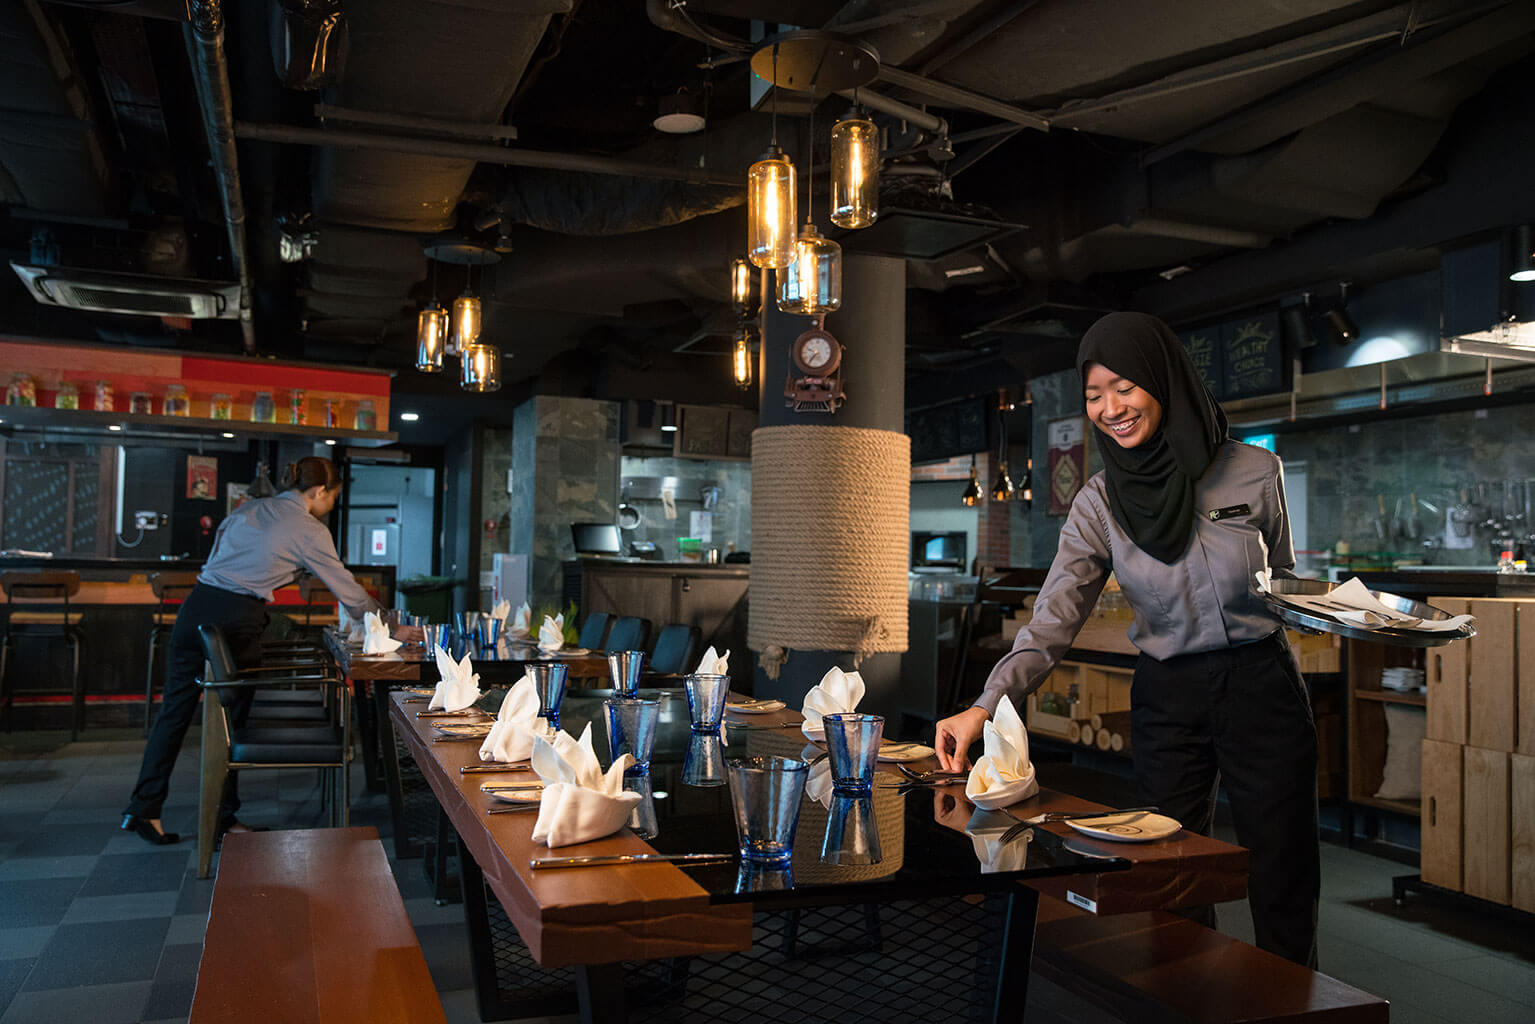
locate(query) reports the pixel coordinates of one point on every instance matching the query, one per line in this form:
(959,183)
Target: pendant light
(812,284)
(741,286)
(972,495)
(1026,485)
(854,169)
(467,319)
(770,200)
(741,358)
(431,332)
(482,368)
(1002,487)
(1524,255)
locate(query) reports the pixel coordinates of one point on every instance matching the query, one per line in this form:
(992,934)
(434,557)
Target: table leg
(367,731)
(404,849)
(1017,955)
(600,991)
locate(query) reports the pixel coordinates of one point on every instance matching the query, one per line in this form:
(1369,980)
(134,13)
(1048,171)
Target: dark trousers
(1241,718)
(243,618)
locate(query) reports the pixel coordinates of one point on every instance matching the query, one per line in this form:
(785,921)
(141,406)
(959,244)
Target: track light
(1343,327)
(1524,254)
(1297,322)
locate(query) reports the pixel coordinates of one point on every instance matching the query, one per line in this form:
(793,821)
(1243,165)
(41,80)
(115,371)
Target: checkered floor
(97,925)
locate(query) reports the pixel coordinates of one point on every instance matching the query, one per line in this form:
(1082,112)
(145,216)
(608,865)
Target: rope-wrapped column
(831,515)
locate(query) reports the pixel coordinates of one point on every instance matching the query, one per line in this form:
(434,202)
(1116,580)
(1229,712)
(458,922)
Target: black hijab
(1151,487)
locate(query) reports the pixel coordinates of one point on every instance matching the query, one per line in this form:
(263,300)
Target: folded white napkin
(837,693)
(551,635)
(714,664)
(502,609)
(580,802)
(376,638)
(511,738)
(995,855)
(354,631)
(818,782)
(522,623)
(1004,774)
(460,685)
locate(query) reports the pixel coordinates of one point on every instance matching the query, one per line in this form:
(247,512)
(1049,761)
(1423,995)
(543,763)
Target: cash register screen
(596,538)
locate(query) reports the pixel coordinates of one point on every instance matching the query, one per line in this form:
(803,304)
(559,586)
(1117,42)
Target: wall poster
(1068,461)
(202,477)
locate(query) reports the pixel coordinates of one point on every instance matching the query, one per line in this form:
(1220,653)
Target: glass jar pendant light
(482,368)
(741,357)
(467,320)
(741,286)
(431,338)
(770,213)
(812,284)
(854,170)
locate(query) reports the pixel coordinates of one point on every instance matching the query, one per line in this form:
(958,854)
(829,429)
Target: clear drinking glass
(625,669)
(549,681)
(704,763)
(706,700)
(632,730)
(765,793)
(852,741)
(642,820)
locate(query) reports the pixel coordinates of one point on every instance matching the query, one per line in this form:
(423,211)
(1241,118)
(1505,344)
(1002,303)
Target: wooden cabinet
(1367,733)
(1491,679)
(1441,834)
(1446,669)
(1485,824)
(713,598)
(1522,832)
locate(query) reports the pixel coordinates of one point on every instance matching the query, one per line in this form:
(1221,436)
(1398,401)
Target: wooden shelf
(1410,807)
(74,425)
(1416,700)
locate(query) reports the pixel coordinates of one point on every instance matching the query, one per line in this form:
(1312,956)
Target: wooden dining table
(721,933)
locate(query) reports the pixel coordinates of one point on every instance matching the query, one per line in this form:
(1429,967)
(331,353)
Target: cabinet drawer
(1485,825)
(1441,837)
(1446,674)
(1522,832)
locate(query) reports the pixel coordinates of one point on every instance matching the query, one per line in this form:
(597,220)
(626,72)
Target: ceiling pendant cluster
(439,334)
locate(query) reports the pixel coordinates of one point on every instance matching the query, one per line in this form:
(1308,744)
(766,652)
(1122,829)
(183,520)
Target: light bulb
(466,321)
(854,171)
(770,210)
(741,359)
(481,369)
(741,286)
(431,338)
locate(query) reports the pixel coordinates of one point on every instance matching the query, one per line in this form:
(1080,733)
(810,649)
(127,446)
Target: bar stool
(47,585)
(171,588)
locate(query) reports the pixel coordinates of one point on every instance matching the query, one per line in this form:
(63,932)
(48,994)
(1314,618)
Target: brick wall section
(957,468)
(993,538)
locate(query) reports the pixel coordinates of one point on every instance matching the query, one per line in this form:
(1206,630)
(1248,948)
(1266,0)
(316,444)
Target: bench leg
(1017,955)
(215,768)
(600,992)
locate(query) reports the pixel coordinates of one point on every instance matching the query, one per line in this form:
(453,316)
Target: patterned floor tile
(100,1004)
(99,954)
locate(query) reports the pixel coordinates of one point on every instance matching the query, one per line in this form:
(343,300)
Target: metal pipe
(204,35)
(344,139)
(1165,227)
(328,111)
(895,108)
(955,96)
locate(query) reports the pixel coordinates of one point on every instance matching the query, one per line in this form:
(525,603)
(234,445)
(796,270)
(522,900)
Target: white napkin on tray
(714,664)
(1004,774)
(460,684)
(376,638)
(511,737)
(837,693)
(551,635)
(580,802)
(502,609)
(522,621)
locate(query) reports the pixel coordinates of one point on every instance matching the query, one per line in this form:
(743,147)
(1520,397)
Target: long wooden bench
(307,927)
(1154,966)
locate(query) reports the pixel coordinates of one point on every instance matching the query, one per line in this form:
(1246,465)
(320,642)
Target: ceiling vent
(136,294)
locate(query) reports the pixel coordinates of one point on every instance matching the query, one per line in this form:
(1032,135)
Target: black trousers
(1241,718)
(243,618)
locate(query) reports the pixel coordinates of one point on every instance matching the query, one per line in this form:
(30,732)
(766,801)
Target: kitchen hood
(1513,341)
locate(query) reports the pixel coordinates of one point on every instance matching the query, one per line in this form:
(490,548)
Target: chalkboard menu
(944,431)
(1252,357)
(1204,349)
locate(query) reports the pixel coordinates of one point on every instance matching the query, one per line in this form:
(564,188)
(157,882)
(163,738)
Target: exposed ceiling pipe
(342,139)
(895,108)
(952,95)
(204,34)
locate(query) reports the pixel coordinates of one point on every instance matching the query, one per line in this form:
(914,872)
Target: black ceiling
(1268,149)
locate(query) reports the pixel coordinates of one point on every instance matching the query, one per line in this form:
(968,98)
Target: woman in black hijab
(1185,518)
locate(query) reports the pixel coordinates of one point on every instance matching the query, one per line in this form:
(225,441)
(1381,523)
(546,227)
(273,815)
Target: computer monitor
(596,538)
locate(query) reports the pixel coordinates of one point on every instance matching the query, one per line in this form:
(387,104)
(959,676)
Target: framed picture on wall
(1068,461)
(202,477)
(235,495)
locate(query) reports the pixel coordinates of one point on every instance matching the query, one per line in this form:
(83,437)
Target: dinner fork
(936,775)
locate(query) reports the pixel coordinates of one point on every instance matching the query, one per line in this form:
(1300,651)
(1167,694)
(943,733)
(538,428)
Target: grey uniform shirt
(265,544)
(1201,602)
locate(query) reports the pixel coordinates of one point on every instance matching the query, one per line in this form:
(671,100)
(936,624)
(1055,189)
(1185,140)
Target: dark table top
(501,666)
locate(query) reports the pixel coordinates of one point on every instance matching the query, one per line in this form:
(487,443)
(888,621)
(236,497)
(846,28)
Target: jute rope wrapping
(831,515)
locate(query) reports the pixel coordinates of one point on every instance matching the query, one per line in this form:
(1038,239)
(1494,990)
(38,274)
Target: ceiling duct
(136,294)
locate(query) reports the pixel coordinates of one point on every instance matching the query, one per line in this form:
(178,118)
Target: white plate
(903,752)
(756,709)
(1126,828)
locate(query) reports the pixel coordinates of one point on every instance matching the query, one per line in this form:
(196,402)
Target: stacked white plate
(1402,679)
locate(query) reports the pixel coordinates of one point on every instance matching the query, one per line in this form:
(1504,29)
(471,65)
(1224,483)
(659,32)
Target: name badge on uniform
(1216,515)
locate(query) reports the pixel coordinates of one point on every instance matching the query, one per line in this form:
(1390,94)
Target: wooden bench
(307,927)
(1155,966)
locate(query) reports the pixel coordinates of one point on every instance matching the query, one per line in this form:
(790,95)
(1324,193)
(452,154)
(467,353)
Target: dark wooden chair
(50,618)
(170,588)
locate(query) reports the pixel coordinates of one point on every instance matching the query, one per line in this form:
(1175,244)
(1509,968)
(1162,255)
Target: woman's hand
(956,734)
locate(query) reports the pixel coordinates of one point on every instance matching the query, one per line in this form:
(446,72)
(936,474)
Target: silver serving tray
(1318,622)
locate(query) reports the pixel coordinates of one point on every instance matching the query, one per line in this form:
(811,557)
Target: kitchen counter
(1450,581)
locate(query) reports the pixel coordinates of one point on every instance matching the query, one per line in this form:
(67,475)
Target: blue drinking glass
(549,681)
(765,793)
(852,741)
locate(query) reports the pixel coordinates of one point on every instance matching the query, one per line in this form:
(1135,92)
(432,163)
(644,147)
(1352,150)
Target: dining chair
(594,631)
(676,650)
(628,634)
(170,589)
(261,744)
(316,596)
(49,622)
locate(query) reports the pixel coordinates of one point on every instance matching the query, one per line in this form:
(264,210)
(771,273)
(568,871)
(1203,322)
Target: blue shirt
(267,543)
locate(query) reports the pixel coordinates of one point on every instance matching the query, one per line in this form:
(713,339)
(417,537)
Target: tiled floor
(97,925)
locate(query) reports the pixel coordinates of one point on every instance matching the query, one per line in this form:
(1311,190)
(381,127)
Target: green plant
(572,634)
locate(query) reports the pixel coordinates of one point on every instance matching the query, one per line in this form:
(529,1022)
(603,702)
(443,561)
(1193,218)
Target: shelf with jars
(73,425)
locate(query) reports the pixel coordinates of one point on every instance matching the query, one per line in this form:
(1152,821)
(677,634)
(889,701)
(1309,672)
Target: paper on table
(551,635)
(1351,602)
(580,802)
(1004,774)
(511,737)
(714,664)
(837,693)
(460,685)
(376,639)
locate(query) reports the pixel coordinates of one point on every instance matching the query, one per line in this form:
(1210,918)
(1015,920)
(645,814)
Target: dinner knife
(475,769)
(629,858)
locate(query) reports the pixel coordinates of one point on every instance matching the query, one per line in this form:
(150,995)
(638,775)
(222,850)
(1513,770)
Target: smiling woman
(1119,407)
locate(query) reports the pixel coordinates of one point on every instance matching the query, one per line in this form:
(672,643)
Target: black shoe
(148,831)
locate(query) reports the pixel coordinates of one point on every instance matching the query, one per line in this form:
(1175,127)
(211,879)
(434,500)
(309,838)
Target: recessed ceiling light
(410,417)
(228,435)
(330,441)
(114,426)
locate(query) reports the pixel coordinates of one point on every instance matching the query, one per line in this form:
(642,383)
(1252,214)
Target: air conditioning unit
(136,294)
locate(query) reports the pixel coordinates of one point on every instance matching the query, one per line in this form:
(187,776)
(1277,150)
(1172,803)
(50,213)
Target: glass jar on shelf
(104,396)
(141,403)
(176,401)
(66,397)
(263,409)
(298,408)
(365,418)
(22,390)
(220,407)
(333,412)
